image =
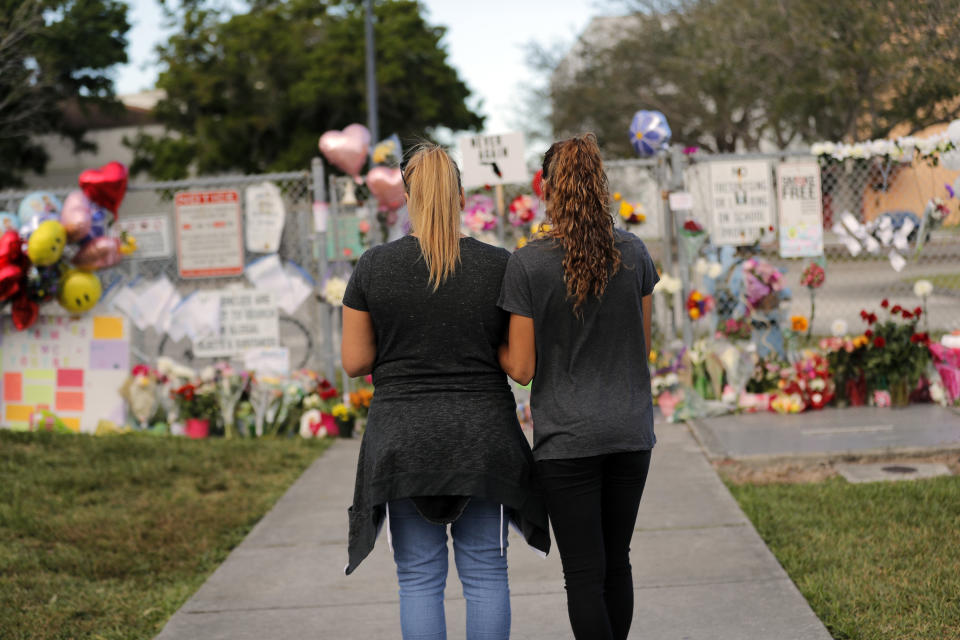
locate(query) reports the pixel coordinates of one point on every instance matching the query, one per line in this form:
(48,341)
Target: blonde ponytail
(432,181)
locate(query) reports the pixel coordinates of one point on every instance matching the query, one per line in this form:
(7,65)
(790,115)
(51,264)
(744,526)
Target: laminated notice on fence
(801,209)
(209,234)
(248,320)
(264,219)
(740,198)
(152,234)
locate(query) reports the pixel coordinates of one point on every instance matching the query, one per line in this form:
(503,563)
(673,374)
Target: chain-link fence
(302,332)
(889,219)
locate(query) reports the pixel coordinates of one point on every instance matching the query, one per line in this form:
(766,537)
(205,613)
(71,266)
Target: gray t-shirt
(591,388)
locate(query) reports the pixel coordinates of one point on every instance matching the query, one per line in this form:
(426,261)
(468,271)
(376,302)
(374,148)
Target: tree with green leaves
(729,74)
(54,53)
(253,92)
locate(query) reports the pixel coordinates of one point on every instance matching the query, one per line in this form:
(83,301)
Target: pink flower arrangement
(479,214)
(522,210)
(813,276)
(761,279)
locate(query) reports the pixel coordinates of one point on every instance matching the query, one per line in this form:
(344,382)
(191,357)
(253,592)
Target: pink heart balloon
(77,216)
(98,253)
(347,149)
(387,185)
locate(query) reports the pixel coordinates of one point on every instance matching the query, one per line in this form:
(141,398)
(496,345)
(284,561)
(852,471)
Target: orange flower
(799,323)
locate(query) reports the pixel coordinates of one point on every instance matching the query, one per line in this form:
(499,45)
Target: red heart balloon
(25,312)
(106,186)
(11,276)
(11,247)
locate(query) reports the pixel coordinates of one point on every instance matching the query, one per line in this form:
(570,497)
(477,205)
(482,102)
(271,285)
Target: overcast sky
(485,41)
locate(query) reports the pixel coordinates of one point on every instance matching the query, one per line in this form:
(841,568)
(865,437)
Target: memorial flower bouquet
(846,357)
(692,236)
(230,385)
(898,354)
(479,214)
(812,278)
(763,285)
(140,391)
(196,400)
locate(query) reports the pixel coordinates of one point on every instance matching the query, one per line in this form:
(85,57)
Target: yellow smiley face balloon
(46,243)
(79,291)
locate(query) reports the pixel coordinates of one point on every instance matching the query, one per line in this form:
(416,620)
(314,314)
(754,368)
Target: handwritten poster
(209,234)
(740,199)
(264,218)
(152,234)
(248,320)
(70,366)
(801,209)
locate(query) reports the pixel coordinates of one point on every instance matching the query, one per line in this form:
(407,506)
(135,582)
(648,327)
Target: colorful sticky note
(12,387)
(69,400)
(70,377)
(108,328)
(109,354)
(18,413)
(39,374)
(38,394)
(72,423)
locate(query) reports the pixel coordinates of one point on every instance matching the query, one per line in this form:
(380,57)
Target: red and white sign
(209,234)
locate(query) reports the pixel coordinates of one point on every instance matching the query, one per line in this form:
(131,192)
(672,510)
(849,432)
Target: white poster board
(740,199)
(493,159)
(248,320)
(209,234)
(152,234)
(265,214)
(71,366)
(801,209)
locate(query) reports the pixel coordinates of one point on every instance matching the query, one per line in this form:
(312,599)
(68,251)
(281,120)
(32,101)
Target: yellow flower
(626,210)
(696,296)
(616,195)
(653,356)
(860,341)
(340,411)
(799,323)
(694,313)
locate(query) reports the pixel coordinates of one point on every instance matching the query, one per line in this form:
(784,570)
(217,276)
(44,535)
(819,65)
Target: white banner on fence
(740,200)
(801,209)
(494,159)
(248,320)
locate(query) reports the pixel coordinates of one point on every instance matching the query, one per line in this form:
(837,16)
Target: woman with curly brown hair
(580,328)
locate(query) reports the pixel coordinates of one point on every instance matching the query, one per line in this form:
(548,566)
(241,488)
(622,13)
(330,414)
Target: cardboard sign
(496,159)
(152,234)
(209,234)
(248,320)
(740,199)
(265,214)
(70,366)
(801,209)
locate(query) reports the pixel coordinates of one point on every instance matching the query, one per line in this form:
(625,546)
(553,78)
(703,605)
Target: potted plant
(346,419)
(197,407)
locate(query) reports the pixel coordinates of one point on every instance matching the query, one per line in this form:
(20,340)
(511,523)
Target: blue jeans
(420,551)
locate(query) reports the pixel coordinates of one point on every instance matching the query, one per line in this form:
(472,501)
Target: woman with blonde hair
(580,328)
(442,444)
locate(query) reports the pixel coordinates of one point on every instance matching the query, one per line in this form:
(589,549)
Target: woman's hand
(358,344)
(518,355)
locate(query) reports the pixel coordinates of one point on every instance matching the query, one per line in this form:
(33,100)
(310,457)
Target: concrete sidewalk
(700,569)
(916,429)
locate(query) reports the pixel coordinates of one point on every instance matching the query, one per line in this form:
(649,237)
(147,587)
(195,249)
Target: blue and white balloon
(9,222)
(649,132)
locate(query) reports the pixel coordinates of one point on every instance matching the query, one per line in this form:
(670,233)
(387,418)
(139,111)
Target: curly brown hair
(577,197)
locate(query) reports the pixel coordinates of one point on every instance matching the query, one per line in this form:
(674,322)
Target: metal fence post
(323,263)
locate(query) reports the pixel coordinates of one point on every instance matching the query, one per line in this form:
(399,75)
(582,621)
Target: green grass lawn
(875,561)
(105,538)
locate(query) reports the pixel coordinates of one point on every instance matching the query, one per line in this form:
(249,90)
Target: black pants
(593,506)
